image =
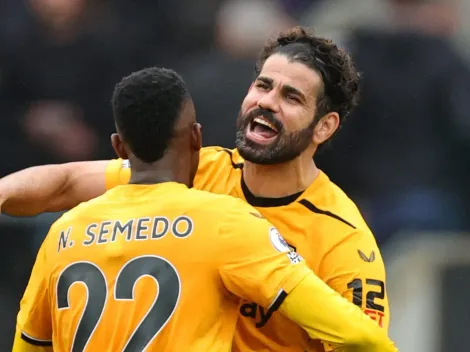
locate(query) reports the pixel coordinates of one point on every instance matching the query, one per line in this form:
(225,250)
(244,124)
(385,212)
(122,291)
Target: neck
(281,180)
(167,169)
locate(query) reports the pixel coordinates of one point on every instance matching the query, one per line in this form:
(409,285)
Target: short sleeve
(118,172)
(257,263)
(34,319)
(355,268)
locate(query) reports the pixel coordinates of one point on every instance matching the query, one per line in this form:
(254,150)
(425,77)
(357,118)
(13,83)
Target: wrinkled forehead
(283,71)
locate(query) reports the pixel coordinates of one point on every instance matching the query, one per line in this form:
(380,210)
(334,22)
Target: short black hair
(340,77)
(146,107)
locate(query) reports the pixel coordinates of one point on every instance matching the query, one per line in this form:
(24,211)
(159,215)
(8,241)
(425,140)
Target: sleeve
(256,262)
(215,170)
(34,319)
(327,316)
(20,345)
(118,172)
(354,267)
(207,158)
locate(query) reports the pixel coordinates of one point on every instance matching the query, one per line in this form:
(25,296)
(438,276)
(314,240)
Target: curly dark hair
(146,107)
(340,77)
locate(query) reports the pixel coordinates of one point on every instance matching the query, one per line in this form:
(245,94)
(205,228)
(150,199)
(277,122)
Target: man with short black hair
(304,89)
(157,259)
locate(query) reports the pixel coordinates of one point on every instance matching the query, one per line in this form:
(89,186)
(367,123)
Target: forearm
(327,316)
(19,345)
(51,188)
(31,191)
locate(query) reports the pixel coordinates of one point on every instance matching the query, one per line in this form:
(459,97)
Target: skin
(58,187)
(181,160)
(289,89)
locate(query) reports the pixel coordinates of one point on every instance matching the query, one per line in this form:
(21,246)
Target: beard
(285,147)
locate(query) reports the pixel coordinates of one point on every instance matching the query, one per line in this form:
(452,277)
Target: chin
(259,155)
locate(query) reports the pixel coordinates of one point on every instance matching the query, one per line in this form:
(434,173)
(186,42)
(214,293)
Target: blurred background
(402,156)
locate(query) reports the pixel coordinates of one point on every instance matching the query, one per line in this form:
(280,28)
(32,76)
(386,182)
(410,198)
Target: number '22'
(93,278)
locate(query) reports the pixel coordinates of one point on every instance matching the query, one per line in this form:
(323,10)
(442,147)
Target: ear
(325,128)
(196,136)
(118,146)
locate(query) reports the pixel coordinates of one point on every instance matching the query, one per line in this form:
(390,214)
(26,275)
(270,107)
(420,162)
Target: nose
(269,101)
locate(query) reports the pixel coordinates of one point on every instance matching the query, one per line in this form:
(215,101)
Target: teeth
(262,121)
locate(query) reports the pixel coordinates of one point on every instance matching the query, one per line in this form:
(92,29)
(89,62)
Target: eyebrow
(265,80)
(291,90)
(286,88)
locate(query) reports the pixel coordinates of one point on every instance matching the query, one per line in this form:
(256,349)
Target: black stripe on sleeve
(278,301)
(314,209)
(272,308)
(35,342)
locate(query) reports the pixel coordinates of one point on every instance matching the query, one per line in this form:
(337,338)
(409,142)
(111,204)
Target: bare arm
(51,188)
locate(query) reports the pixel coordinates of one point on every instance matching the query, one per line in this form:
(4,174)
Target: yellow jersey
(321,224)
(154,267)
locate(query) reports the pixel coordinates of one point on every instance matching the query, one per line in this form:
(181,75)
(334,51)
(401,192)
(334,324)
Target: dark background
(402,156)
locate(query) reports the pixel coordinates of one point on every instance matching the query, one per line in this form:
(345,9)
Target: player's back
(138,262)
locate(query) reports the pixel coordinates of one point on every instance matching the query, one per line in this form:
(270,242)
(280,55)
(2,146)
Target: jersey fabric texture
(161,267)
(322,224)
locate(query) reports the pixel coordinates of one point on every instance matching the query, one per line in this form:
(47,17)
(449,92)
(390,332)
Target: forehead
(284,71)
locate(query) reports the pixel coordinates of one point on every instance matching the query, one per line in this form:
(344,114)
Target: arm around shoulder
(354,267)
(327,316)
(51,188)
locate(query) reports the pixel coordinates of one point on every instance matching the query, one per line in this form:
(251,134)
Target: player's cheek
(251,100)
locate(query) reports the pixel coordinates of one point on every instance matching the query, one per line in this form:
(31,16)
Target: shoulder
(220,203)
(216,154)
(69,218)
(217,167)
(81,212)
(223,207)
(336,211)
(60,229)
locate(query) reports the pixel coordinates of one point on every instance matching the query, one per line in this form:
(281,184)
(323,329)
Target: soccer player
(304,89)
(149,265)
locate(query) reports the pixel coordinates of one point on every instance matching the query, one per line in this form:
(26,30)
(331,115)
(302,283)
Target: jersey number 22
(93,278)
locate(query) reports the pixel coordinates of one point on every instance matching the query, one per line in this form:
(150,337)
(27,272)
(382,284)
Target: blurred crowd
(402,155)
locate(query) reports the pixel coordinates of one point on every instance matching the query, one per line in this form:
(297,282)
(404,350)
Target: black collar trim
(267,202)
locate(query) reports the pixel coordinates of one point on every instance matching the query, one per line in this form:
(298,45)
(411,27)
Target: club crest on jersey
(278,242)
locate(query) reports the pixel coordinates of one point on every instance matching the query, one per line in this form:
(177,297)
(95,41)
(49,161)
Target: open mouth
(261,130)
